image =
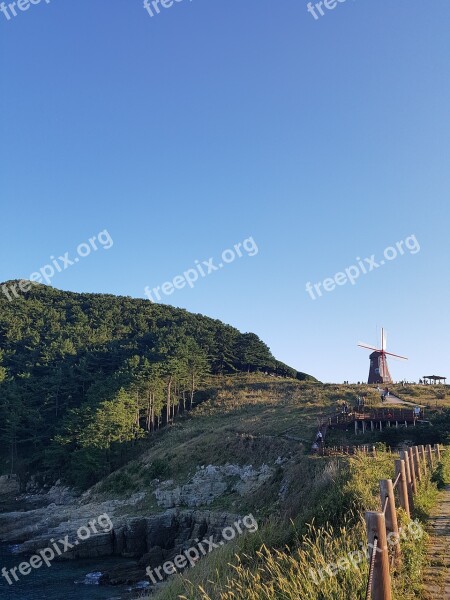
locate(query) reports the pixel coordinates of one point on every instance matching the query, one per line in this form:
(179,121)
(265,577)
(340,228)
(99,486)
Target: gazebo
(434,379)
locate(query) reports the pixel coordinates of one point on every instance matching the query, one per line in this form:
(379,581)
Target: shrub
(158,468)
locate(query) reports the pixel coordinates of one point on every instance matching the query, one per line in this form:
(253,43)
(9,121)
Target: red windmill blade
(396,355)
(369,347)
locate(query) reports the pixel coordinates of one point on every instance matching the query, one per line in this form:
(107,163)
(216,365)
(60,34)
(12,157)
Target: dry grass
(246,420)
(434,396)
(262,567)
(255,420)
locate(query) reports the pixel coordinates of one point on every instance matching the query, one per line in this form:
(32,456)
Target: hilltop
(85,377)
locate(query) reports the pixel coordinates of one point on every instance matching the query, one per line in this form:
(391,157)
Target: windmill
(379,371)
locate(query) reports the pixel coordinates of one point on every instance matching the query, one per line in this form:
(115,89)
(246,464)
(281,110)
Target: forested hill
(84,375)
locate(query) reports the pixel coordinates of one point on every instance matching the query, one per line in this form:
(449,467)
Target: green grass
(441,476)
(327,496)
(255,420)
(288,560)
(245,420)
(434,396)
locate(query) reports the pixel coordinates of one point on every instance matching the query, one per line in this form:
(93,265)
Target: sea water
(64,580)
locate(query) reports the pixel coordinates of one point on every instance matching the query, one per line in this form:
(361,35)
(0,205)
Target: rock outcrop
(9,485)
(211,482)
(122,527)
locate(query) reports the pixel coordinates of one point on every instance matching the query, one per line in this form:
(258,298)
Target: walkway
(391,399)
(437,575)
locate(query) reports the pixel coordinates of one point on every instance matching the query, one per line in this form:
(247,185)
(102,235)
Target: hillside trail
(391,399)
(437,574)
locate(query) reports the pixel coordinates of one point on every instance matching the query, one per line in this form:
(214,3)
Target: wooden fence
(347,450)
(412,465)
(399,416)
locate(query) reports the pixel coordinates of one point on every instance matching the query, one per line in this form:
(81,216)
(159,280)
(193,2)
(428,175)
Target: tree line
(85,377)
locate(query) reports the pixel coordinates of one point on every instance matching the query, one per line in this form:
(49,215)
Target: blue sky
(185,133)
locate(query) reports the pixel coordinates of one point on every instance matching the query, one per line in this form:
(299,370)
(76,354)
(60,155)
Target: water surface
(66,580)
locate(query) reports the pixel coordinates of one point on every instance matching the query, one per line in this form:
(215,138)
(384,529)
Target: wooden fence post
(430,456)
(387,492)
(405,456)
(412,471)
(381,582)
(417,463)
(438,452)
(400,469)
(424,458)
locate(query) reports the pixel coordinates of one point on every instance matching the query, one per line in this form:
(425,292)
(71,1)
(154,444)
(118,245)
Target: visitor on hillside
(319,437)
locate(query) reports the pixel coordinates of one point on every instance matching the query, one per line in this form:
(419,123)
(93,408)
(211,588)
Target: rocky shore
(147,540)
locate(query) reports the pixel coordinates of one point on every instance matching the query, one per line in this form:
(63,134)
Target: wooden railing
(412,465)
(380,414)
(347,450)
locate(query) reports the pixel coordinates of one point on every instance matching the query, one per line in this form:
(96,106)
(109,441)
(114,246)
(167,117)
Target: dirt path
(394,400)
(437,575)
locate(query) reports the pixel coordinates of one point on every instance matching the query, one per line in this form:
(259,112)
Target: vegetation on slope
(84,376)
(254,420)
(245,419)
(288,560)
(431,396)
